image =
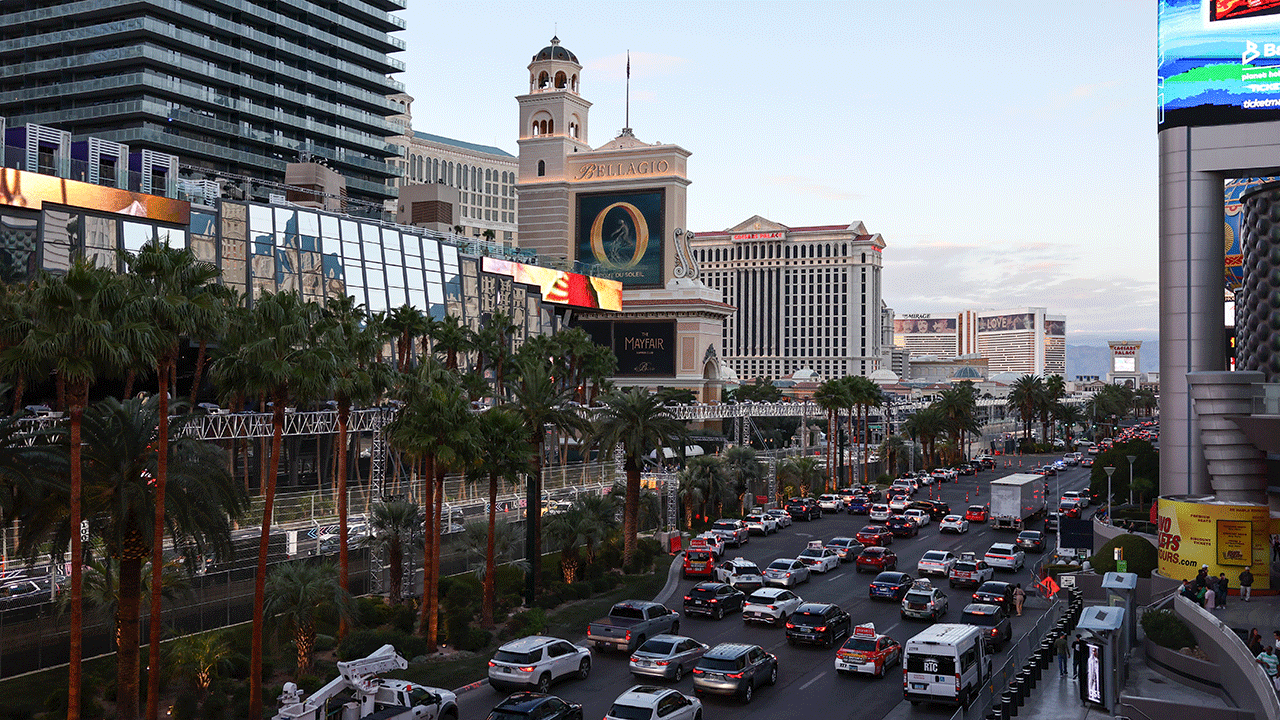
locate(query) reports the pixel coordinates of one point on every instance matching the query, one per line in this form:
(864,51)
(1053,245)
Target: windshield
(745,569)
(657,647)
(722,525)
(629,712)
(966,567)
(810,552)
(780,565)
(626,613)
(918,598)
(701,591)
(762,599)
(517,658)
(931,664)
(861,645)
(718,664)
(698,555)
(1001,550)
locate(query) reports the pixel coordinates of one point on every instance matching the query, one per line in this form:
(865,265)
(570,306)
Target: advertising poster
(558,286)
(33,190)
(1226,537)
(1093,673)
(924,326)
(1056,328)
(1219,62)
(619,237)
(642,348)
(1020,321)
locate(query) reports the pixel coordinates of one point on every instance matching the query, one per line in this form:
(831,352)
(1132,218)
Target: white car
(908,485)
(899,504)
(770,605)
(714,543)
(1079,497)
(937,562)
(740,573)
(954,523)
(830,503)
(761,523)
(819,559)
(536,661)
(1005,555)
(786,572)
(782,516)
(654,702)
(921,517)
(940,475)
(879,512)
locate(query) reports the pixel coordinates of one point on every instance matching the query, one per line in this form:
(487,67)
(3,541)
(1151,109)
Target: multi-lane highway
(807,682)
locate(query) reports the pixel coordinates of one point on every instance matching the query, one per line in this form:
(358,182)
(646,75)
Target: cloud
(811,187)
(643,65)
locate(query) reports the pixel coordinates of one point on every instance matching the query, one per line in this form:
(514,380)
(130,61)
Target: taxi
(698,562)
(710,542)
(819,557)
(978,513)
(867,651)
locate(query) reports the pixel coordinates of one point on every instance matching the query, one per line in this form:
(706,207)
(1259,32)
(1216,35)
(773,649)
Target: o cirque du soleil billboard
(1219,62)
(620,236)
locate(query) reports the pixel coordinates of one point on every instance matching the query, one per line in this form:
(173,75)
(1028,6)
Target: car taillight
(714,601)
(957,682)
(686,597)
(790,625)
(773,607)
(821,629)
(697,671)
(527,668)
(492,664)
(735,676)
(628,636)
(662,662)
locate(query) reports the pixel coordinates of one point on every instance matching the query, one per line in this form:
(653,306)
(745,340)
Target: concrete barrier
(1244,683)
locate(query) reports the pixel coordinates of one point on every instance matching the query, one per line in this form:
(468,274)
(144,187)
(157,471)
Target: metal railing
(1019,652)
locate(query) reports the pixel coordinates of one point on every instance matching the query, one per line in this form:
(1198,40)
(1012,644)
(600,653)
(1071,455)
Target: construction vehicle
(359,694)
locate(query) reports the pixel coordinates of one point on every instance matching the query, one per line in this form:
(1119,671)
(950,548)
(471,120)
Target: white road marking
(814,680)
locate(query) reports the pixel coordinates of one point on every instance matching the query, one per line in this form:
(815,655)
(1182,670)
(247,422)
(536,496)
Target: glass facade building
(240,87)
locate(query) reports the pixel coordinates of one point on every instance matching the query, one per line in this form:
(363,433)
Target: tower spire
(626,130)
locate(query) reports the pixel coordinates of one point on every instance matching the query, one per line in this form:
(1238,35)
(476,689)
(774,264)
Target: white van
(946,663)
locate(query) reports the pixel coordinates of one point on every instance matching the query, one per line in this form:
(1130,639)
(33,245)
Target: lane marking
(814,680)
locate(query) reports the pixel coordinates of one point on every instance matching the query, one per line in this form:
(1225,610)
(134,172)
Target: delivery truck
(1016,499)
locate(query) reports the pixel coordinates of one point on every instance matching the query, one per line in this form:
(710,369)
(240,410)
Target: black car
(735,669)
(902,526)
(993,621)
(1032,540)
(714,599)
(936,508)
(821,623)
(1051,522)
(967,469)
(535,706)
(891,585)
(995,592)
(803,509)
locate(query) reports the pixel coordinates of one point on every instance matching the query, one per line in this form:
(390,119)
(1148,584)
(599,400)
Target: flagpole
(627,122)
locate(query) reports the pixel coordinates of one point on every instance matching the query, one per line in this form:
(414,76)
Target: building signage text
(620,169)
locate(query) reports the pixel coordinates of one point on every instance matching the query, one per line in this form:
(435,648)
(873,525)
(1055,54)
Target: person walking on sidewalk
(1078,654)
(1060,647)
(1255,642)
(1270,663)
(1221,590)
(1246,584)
(1019,597)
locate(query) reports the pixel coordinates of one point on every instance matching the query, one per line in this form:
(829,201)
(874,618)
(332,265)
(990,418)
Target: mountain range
(1096,359)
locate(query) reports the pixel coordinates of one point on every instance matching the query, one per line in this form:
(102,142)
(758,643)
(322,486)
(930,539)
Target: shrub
(649,548)
(476,639)
(508,580)
(362,643)
(186,706)
(548,601)
(600,584)
(324,643)
(1139,554)
(1166,629)
(371,611)
(403,618)
(529,622)
(580,590)
(214,707)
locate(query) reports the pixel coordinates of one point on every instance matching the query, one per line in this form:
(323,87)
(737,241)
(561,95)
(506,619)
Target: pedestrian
(1078,654)
(1019,597)
(1275,548)
(1060,648)
(1202,577)
(1246,584)
(1254,642)
(1269,662)
(1188,591)
(1221,594)
(1275,634)
(1210,597)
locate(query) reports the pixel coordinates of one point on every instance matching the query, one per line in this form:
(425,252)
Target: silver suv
(735,669)
(536,661)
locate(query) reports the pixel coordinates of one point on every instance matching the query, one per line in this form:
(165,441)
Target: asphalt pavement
(807,681)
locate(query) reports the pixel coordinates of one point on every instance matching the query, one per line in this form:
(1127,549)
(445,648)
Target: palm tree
(603,510)
(541,403)
(199,657)
(832,396)
(296,594)
(493,344)
(927,424)
(406,323)
(1070,416)
(958,405)
(505,455)
(696,483)
(1024,399)
(803,471)
(891,449)
(566,531)
(281,358)
(1054,389)
(180,295)
(85,328)
(394,526)
(742,467)
(451,338)
(864,395)
(638,421)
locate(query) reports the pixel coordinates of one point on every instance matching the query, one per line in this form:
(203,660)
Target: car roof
(524,701)
(1001,545)
(710,585)
(529,642)
(994,585)
(643,695)
(981,609)
(770,591)
(814,607)
(728,650)
(890,577)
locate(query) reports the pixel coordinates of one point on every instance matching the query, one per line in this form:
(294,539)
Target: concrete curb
(673,579)
(471,686)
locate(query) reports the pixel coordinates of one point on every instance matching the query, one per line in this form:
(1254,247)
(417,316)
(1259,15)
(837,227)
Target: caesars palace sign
(621,169)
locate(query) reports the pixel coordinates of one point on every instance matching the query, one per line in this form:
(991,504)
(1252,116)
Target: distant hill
(1096,359)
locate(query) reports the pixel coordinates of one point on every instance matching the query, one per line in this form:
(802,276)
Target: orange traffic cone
(966,497)
(977,490)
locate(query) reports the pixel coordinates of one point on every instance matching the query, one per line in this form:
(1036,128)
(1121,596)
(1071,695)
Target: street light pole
(1131,459)
(1110,471)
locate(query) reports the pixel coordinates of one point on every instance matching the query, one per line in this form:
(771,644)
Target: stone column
(1237,468)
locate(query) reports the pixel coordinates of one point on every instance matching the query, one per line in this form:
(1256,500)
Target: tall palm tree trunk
(130,589)
(433,617)
(631,515)
(78,399)
(157,537)
(429,541)
(264,543)
(18,391)
(395,558)
(196,377)
(486,616)
(866,417)
(344,416)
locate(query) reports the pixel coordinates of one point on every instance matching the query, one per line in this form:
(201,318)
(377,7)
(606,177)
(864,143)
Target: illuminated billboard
(1219,61)
(1123,364)
(1020,321)
(643,348)
(33,190)
(924,325)
(620,236)
(558,286)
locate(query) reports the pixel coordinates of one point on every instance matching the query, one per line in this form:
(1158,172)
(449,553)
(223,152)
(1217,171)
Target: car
(867,651)
(994,592)
(735,669)
(967,469)
(903,486)
(1086,462)
(902,526)
(859,505)
(978,513)
(799,509)
(997,629)
(713,599)
(892,585)
(1006,556)
(1048,470)
(876,558)
(937,562)
(898,503)
(875,535)
(820,623)
(760,524)
(650,702)
(25,591)
(535,706)
(923,601)
(782,516)
(940,475)
(936,508)
(819,558)
(953,523)
(1030,540)
(786,572)
(709,541)
(879,512)
(698,563)
(1051,522)
(1068,509)
(1092,450)
(1060,465)
(970,571)
(771,606)
(734,532)
(666,656)
(920,517)
(831,503)
(871,492)
(537,661)
(1080,497)
(846,547)
(740,573)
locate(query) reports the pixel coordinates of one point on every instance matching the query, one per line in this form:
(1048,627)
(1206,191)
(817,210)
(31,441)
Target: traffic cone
(977,490)
(966,497)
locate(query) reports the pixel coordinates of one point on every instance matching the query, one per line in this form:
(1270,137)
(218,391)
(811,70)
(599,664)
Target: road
(807,680)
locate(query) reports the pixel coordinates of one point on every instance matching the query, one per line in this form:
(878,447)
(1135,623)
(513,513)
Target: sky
(1005,151)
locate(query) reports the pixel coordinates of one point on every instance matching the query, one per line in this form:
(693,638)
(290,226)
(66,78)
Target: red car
(875,535)
(698,563)
(978,513)
(1070,510)
(876,558)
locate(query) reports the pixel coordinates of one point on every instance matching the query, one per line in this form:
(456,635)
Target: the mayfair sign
(622,169)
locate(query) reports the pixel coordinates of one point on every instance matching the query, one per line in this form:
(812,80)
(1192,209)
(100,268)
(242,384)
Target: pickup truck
(630,623)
